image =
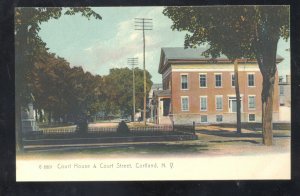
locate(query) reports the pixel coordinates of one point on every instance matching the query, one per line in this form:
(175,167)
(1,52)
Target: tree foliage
(66,93)
(63,91)
(238,31)
(29,46)
(118,90)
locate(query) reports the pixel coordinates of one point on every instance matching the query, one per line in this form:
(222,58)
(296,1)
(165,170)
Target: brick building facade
(203,90)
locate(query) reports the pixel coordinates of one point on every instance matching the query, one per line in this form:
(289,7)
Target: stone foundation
(211,118)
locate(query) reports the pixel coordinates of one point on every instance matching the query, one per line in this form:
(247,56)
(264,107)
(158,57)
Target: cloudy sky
(99,45)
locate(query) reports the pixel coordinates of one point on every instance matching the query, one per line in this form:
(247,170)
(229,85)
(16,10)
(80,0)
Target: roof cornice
(163,67)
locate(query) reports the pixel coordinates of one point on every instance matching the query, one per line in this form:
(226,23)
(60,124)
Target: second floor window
(184,82)
(251,80)
(218,78)
(202,79)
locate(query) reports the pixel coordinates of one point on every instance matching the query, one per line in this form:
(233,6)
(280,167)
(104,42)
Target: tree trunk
(36,115)
(19,142)
(20,69)
(267,108)
(266,59)
(41,116)
(50,117)
(238,97)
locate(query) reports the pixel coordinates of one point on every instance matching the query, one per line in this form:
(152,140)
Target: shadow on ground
(127,148)
(227,133)
(222,141)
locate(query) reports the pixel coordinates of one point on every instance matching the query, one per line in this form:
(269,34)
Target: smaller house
(161,104)
(285,98)
(155,87)
(28,119)
(285,91)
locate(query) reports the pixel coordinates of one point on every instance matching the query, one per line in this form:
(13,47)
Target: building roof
(156,86)
(188,53)
(192,55)
(162,93)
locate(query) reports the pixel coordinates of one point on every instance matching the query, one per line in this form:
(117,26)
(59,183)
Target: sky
(99,45)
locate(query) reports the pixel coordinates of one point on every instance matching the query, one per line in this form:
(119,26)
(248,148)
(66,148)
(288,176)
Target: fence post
(173,125)
(194,127)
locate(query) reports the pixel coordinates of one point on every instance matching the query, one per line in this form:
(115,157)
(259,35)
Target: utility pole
(143,24)
(133,62)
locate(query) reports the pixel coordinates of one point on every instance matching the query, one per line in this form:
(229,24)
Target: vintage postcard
(152,93)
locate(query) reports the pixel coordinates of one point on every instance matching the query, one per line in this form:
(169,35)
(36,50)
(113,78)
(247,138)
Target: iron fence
(60,130)
(101,129)
(155,128)
(67,132)
(186,128)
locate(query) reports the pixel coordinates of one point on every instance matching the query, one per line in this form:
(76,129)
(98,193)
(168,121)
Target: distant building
(154,88)
(196,88)
(161,106)
(285,91)
(285,98)
(28,119)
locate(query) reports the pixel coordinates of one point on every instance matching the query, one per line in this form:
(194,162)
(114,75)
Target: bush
(82,125)
(122,128)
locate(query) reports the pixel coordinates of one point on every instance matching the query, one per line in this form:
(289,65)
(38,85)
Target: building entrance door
(232,104)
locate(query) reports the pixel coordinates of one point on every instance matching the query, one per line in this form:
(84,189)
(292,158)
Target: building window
(281,90)
(219,118)
(251,102)
(203,103)
(219,102)
(185,103)
(232,80)
(251,79)
(203,118)
(218,78)
(202,79)
(232,104)
(251,117)
(184,82)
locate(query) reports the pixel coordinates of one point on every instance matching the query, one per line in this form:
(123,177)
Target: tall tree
(28,46)
(238,31)
(118,85)
(48,84)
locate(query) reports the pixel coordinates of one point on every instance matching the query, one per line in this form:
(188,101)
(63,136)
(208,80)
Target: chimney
(288,79)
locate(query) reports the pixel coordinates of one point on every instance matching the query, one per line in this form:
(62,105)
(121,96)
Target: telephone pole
(133,62)
(143,24)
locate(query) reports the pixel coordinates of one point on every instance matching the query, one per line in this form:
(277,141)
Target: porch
(161,107)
